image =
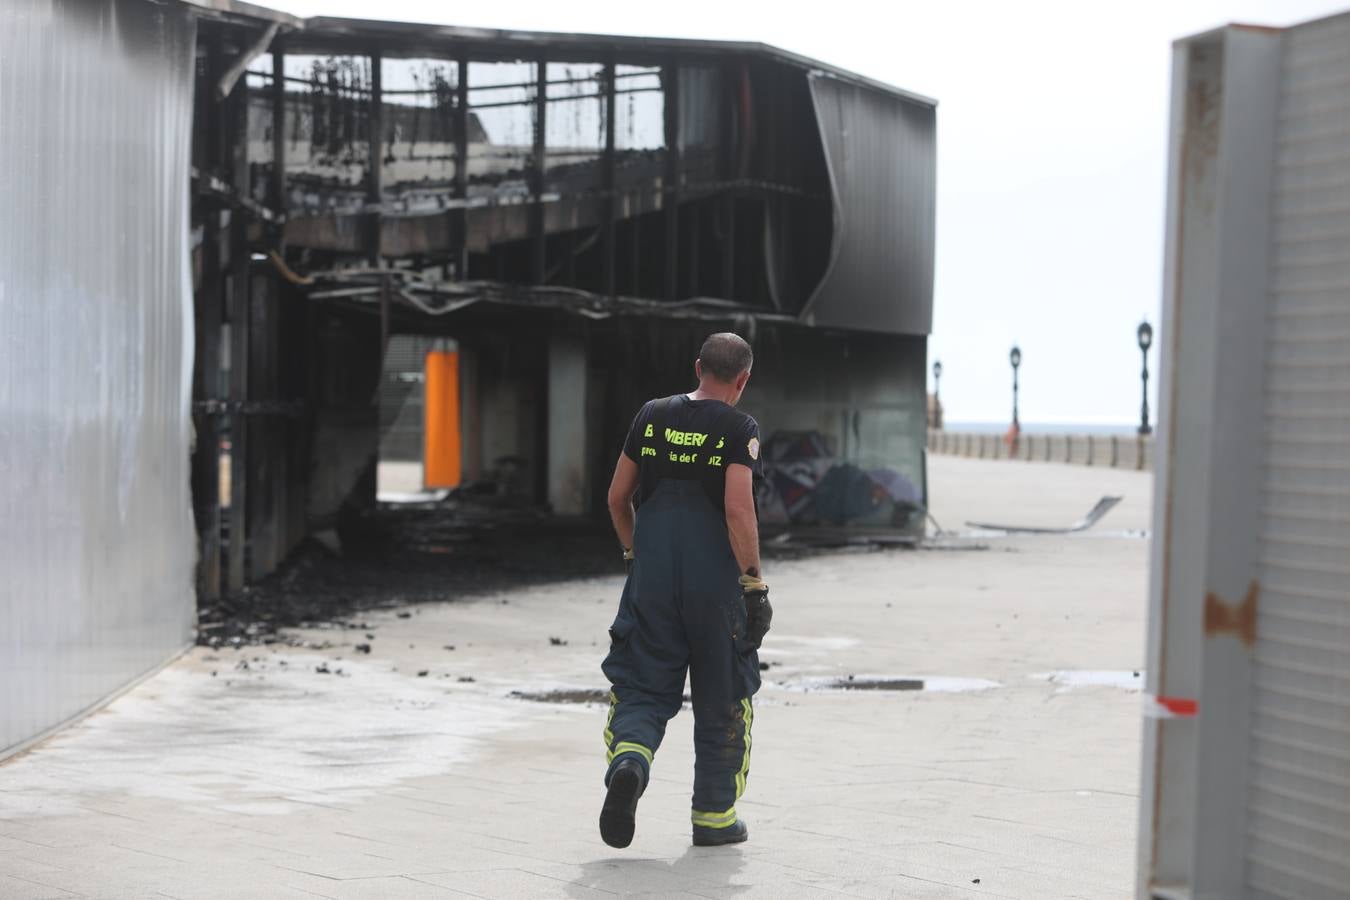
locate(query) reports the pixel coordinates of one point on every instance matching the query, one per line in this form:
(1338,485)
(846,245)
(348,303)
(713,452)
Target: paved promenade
(417,769)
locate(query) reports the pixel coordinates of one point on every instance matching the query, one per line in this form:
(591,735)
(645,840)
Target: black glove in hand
(758,610)
(628,560)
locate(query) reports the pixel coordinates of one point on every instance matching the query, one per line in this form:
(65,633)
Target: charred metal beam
(507,219)
(731,160)
(226,194)
(519,85)
(266,474)
(538,239)
(505,104)
(239,336)
(386,295)
(670,78)
(279,130)
(610,180)
(461,230)
(287,409)
(729,247)
(206,375)
(635,255)
(695,287)
(375,189)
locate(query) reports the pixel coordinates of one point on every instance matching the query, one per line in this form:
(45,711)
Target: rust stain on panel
(1238,620)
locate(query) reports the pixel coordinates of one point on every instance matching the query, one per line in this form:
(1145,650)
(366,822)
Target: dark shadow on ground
(703,869)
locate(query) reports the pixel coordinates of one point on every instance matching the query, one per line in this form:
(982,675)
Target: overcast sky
(1052,134)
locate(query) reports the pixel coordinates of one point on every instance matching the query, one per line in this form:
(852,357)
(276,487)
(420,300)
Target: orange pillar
(440,420)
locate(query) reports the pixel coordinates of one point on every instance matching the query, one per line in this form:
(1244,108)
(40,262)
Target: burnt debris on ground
(396,556)
(402,554)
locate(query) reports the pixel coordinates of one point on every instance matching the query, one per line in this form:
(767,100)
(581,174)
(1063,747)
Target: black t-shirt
(691,440)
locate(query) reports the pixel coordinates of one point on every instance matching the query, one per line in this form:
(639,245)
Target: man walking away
(695,599)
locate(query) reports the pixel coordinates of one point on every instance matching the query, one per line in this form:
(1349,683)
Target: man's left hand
(758,610)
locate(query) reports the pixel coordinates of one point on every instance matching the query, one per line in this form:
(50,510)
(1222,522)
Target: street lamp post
(937,394)
(1145,335)
(1015,357)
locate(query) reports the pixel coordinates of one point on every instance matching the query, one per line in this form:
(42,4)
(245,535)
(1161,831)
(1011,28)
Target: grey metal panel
(96,536)
(1298,817)
(1207,523)
(881,151)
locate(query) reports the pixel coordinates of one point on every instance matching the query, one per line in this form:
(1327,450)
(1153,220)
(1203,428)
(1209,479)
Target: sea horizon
(1107,428)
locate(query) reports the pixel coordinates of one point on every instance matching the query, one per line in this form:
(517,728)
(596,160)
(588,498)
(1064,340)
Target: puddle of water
(942,684)
(878,684)
(933,684)
(1126,679)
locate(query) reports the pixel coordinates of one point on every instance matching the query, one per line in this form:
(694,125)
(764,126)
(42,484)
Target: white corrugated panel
(96,534)
(1299,792)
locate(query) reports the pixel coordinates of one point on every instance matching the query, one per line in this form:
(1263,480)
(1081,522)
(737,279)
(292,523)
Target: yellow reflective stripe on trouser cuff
(629,747)
(609,720)
(714,819)
(748,716)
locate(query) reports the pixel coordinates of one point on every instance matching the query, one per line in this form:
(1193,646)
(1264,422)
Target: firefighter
(695,599)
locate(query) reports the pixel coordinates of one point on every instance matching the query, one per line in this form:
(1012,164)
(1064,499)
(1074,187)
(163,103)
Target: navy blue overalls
(682,610)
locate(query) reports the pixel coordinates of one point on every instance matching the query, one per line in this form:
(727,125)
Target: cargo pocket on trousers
(746,662)
(734,613)
(615,665)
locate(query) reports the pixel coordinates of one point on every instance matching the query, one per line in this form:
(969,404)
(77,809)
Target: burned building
(235,214)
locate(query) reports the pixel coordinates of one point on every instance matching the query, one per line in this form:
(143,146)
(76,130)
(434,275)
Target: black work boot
(715,837)
(626,784)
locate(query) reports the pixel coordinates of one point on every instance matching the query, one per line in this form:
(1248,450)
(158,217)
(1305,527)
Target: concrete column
(567,450)
(471,420)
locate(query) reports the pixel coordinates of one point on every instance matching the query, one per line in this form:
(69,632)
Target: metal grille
(401,397)
(1299,791)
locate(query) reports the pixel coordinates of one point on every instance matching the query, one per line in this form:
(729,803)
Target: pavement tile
(13,887)
(385,888)
(513,884)
(892,887)
(772,892)
(292,784)
(26,863)
(239,887)
(1021,883)
(350,866)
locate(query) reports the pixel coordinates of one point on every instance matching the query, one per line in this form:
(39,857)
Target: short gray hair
(725,356)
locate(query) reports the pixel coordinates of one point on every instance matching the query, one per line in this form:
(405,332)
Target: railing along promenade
(1116,451)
